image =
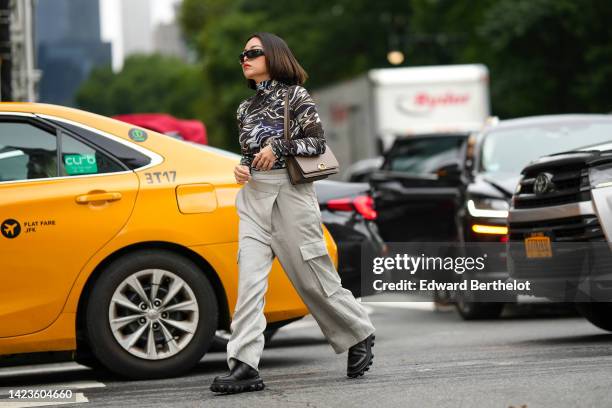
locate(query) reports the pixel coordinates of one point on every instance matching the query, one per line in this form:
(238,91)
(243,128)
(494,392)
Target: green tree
(333,41)
(147,83)
(544,56)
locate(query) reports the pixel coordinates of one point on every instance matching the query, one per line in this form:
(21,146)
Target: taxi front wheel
(151,314)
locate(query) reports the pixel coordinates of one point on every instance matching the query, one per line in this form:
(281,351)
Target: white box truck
(363,116)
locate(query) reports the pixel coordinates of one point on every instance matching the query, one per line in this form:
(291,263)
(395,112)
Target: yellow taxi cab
(118,242)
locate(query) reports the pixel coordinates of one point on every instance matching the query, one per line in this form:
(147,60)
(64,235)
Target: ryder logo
(424,102)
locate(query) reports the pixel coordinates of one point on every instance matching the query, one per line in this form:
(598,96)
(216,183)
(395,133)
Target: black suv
(560,221)
(457,188)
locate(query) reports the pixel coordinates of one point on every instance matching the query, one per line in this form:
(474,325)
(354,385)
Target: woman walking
(277,218)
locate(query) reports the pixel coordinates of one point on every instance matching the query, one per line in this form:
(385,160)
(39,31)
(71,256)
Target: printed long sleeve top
(261,120)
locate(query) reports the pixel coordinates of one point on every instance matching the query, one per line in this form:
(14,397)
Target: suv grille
(571,185)
(574,229)
(583,234)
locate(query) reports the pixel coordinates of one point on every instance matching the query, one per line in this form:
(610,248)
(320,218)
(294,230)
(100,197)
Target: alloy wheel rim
(153,314)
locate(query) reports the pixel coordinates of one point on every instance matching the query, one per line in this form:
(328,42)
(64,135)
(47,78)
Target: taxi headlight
(487,207)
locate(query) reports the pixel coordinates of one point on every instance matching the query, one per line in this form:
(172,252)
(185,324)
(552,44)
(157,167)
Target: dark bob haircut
(281,63)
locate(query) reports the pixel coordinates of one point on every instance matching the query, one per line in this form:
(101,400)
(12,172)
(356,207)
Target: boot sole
(233,388)
(366,366)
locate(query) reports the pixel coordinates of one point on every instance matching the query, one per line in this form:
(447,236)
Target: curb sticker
(10,228)
(137,135)
(80,164)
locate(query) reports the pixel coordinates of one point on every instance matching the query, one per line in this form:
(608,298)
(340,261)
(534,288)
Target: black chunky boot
(241,378)
(360,357)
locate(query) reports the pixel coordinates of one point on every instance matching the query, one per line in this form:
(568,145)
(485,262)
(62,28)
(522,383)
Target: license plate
(538,246)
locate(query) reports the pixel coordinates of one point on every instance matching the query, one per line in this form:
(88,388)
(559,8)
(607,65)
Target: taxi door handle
(88,198)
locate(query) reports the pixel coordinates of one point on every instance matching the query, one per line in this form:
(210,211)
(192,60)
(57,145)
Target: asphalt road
(534,356)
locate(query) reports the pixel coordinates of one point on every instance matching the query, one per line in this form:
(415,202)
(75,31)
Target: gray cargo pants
(277,218)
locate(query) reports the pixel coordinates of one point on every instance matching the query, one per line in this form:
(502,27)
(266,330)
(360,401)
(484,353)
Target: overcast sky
(162,11)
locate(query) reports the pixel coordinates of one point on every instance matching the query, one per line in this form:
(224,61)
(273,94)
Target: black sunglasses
(253,53)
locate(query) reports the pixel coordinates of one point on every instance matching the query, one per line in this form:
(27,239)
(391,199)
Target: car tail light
(363,204)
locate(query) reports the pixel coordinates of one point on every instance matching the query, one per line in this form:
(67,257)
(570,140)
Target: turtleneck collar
(266,85)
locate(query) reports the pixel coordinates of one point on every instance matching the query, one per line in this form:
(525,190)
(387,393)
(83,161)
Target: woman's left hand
(265,159)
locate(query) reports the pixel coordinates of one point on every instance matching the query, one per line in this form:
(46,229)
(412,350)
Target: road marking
(309,322)
(531,299)
(305,323)
(404,305)
(40,369)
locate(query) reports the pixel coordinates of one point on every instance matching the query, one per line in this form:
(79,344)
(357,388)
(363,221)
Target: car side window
(424,155)
(81,159)
(29,151)
(26,152)
(131,158)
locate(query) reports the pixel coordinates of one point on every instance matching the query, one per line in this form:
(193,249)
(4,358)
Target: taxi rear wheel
(151,314)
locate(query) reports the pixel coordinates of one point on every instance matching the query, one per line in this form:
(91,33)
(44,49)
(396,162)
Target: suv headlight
(487,207)
(601,176)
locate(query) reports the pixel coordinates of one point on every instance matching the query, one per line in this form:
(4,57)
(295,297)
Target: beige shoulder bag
(304,169)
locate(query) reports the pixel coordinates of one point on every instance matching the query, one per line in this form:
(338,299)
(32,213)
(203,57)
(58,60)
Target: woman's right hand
(242,173)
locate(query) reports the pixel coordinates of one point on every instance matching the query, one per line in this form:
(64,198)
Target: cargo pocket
(316,257)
